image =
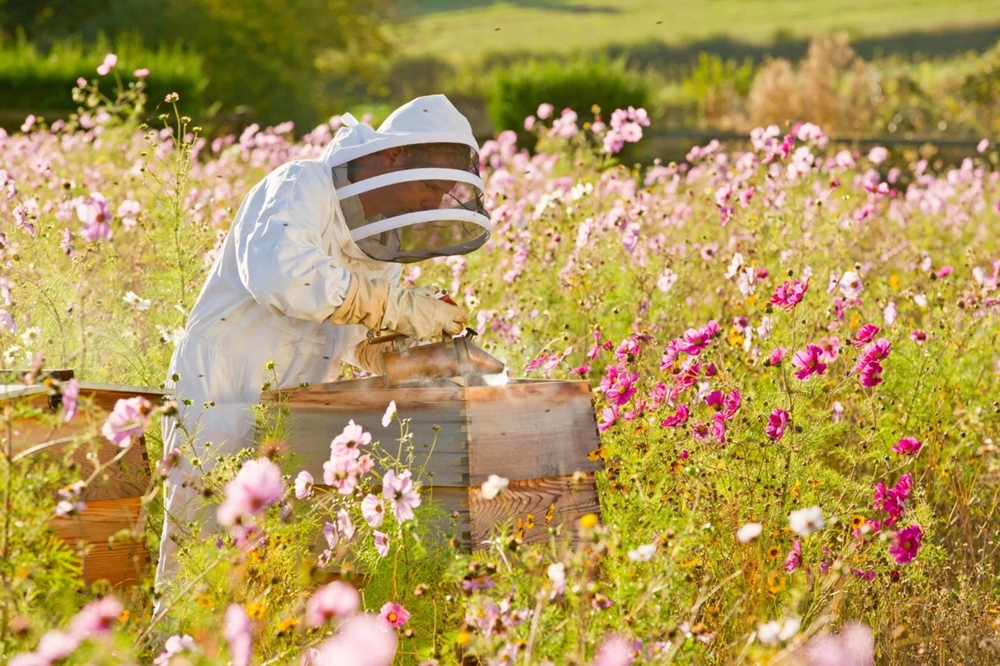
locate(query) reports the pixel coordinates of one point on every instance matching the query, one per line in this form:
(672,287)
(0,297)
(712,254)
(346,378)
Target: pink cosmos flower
(732,403)
(257,486)
(303,485)
(889,314)
(105,67)
(907,446)
(362,640)
(394,615)
(777,356)
(670,354)
(128,420)
(237,635)
(544,111)
(866,334)
(714,400)
(854,646)
(789,294)
(679,417)
(401,494)
(614,651)
(871,374)
(700,431)
(608,417)
(777,421)
(342,474)
(695,340)
(175,645)
(808,362)
(337,599)
(719,428)
(21,217)
(96,618)
(794,558)
(373,510)
(381,543)
(831,349)
(141,73)
(347,443)
(919,336)
(905,544)
(96,217)
(70,397)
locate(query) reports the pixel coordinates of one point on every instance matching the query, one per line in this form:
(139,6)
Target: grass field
(457,28)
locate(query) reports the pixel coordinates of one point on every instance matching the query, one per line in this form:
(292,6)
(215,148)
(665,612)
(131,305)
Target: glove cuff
(364,303)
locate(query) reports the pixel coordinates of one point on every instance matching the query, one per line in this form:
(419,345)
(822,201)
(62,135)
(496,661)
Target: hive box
(114,499)
(536,433)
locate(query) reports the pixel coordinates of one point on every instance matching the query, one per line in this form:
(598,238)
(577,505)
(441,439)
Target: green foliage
(37,81)
(579,85)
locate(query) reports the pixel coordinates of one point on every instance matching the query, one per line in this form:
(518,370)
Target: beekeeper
(311,265)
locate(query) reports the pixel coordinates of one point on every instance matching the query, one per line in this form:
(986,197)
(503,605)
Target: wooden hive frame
(114,500)
(535,433)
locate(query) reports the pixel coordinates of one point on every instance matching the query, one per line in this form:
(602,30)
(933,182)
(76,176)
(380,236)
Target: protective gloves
(369,356)
(416,313)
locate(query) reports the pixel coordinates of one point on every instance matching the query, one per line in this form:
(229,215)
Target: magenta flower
(337,599)
(401,494)
(237,634)
(695,340)
(394,615)
(871,374)
(70,397)
(373,510)
(919,336)
(608,417)
(714,400)
(873,351)
(257,486)
(381,543)
(732,403)
(866,334)
(719,428)
(777,421)
(807,360)
(303,485)
(906,543)
(679,417)
(789,294)
(794,558)
(907,446)
(777,356)
(130,418)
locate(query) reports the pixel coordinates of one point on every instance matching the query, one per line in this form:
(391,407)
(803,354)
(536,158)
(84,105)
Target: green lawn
(458,28)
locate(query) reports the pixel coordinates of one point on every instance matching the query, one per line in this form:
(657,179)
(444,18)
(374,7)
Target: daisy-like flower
(128,421)
(806,521)
(381,543)
(347,443)
(907,446)
(257,486)
(777,421)
(373,510)
(394,615)
(906,543)
(851,285)
(390,414)
(643,553)
(808,362)
(303,485)
(336,599)
(403,497)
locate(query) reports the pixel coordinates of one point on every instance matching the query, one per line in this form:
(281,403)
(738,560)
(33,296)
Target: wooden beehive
(113,500)
(536,433)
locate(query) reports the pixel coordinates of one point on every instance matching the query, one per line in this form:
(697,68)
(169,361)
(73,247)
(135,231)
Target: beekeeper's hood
(411,189)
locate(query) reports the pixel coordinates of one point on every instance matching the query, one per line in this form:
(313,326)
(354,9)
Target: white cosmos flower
(493,486)
(643,553)
(734,266)
(749,532)
(806,521)
(390,414)
(134,300)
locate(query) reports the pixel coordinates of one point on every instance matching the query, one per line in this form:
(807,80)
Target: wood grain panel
(531,430)
(126,560)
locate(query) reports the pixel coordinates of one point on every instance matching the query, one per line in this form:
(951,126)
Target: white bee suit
(284,268)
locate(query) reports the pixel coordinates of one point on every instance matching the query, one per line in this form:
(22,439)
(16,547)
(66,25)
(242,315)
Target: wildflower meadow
(793,348)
